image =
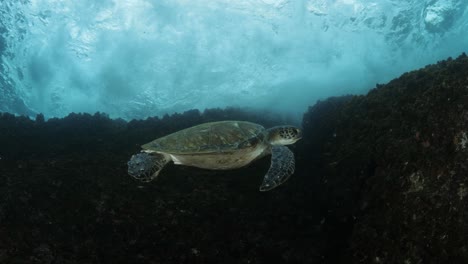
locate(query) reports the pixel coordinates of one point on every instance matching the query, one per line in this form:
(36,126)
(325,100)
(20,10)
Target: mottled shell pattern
(215,137)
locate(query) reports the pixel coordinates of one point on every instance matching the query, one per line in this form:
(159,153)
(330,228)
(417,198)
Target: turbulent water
(139,58)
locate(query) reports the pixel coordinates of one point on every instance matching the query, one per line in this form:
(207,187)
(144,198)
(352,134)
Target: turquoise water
(134,59)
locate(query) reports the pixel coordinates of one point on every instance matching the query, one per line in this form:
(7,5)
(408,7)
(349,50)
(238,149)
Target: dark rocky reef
(394,167)
(65,197)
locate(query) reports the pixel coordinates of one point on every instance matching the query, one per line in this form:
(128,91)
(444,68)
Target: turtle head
(283,135)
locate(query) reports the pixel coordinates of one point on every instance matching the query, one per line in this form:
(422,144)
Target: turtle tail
(146,167)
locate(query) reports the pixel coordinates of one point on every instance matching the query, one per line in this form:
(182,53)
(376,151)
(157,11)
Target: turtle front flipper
(282,166)
(146,167)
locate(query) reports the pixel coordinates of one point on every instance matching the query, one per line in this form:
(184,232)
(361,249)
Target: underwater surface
(380,171)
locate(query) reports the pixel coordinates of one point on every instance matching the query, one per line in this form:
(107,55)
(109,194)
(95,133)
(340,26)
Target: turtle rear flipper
(282,166)
(146,167)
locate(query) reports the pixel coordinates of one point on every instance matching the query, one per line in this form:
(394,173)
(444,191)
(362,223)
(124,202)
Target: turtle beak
(299,133)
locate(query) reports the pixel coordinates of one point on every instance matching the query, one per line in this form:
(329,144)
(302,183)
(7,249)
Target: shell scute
(223,136)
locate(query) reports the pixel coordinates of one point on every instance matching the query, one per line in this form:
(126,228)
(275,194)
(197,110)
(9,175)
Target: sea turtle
(220,146)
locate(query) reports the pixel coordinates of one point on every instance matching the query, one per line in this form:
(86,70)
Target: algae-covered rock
(395,166)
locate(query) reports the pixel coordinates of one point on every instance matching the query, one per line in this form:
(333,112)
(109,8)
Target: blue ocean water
(134,59)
